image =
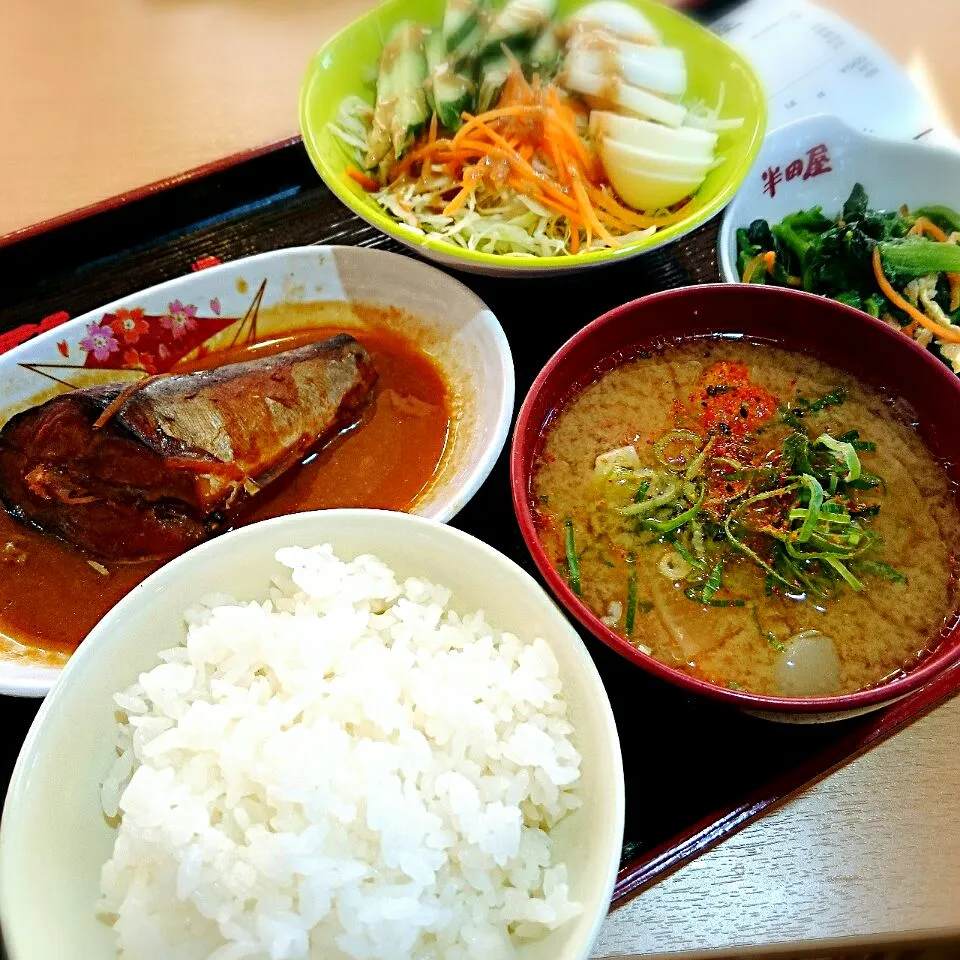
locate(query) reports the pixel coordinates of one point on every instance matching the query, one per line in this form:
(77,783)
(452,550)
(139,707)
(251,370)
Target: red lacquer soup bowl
(838,335)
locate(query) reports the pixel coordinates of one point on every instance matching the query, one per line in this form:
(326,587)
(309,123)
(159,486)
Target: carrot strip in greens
(923,226)
(926,227)
(950,334)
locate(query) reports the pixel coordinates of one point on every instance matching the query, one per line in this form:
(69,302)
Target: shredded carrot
(471,181)
(928,227)
(568,127)
(950,334)
(522,165)
(416,156)
(516,88)
(368,183)
(554,151)
(769,260)
(590,217)
(640,220)
(471,122)
(565,208)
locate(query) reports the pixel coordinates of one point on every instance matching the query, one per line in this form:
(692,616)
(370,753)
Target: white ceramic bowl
(893,172)
(53,837)
(451,324)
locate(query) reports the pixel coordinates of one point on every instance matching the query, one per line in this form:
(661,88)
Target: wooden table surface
(100,97)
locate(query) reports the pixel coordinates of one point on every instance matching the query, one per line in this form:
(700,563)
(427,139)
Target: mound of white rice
(349,769)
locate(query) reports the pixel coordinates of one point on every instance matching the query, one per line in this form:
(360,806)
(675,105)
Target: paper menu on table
(811,61)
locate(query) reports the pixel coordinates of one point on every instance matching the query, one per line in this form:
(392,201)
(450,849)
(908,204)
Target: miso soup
(753,517)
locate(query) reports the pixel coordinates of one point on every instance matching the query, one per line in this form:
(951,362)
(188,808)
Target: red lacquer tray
(695,771)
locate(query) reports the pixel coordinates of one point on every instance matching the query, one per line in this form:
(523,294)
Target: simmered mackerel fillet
(130,472)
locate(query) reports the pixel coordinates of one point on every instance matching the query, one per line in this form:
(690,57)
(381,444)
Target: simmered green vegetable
(916,257)
(944,217)
(898,266)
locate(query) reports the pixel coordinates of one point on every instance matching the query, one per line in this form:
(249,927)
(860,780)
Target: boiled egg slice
(614,91)
(648,161)
(643,188)
(658,69)
(620,19)
(684,142)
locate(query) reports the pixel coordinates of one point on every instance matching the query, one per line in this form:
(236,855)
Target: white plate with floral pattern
(150,331)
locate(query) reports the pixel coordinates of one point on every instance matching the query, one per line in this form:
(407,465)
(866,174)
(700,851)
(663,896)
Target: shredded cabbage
(702,117)
(352,126)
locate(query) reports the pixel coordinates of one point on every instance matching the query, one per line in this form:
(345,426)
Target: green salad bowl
(346,66)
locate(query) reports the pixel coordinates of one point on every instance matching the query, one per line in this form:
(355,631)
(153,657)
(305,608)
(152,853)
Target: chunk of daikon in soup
(808,667)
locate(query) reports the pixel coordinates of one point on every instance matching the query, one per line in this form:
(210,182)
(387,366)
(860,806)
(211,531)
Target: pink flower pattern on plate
(100,341)
(180,318)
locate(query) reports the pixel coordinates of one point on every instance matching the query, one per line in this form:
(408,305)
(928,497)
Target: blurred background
(100,97)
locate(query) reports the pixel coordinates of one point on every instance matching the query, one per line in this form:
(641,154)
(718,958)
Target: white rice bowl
(348,769)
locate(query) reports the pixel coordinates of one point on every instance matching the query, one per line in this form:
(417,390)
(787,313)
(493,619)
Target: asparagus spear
(450,92)
(544,57)
(518,24)
(401,108)
(493,76)
(462,20)
(468,48)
